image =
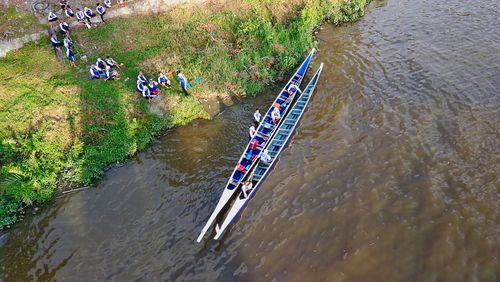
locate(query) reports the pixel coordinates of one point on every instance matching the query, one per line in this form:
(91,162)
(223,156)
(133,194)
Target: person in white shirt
(67,42)
(246,187)
(80,17)
(112,63)
(251,132)
(256,118)
(292,90)
(107,3)
(163,80)
(52,17)
(275,115)
(101,11)
(265,157)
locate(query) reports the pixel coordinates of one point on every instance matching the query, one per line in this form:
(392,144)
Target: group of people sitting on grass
(83,15)
(149,87)
(105,69)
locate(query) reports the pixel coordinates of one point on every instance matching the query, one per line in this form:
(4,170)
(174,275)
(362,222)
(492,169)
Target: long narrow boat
(265,131)
(276,145)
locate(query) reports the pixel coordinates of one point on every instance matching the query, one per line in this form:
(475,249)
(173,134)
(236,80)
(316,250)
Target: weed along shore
(59,130)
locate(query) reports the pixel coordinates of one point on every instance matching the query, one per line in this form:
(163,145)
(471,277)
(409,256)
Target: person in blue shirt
(153,87)
(52,17)
(139,86)
(183,82)
(101,11)
(56,45)
(70,56)
(63,27)
(54,41)
(63,4)
(101,64)
(142,78)
(69,12)
(146,93)
(163,80)
(88,13)
(94,72)
(256,118)
(80,17)
(112,63)
(67,42)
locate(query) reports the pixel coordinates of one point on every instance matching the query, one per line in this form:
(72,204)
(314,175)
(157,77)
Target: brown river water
(391,176)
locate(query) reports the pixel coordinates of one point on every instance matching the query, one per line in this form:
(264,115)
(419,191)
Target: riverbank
(60,130)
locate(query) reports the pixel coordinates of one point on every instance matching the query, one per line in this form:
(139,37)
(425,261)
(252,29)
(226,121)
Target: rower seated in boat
(246,187)
(275,115)
(292,90)
(265,157)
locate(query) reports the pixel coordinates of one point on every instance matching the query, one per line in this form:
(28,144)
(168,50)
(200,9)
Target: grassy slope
(15,23)
(59,129)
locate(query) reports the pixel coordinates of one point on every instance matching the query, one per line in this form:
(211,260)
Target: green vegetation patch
(15,23)
(59,129)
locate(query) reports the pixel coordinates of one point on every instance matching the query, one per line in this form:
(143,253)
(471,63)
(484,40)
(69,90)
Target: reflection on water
(391,176)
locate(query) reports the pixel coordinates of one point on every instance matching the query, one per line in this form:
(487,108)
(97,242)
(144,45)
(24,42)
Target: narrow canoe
(276,145)
(264,132)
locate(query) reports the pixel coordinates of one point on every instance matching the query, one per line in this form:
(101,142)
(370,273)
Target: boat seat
(278,143)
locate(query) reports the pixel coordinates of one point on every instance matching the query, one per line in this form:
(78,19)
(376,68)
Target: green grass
(59,129)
